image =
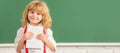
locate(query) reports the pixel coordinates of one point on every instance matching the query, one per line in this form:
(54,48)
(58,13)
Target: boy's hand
(28,35)
(41,37)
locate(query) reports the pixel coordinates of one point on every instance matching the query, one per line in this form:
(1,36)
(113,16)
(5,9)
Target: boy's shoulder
(20,29)
(49,30)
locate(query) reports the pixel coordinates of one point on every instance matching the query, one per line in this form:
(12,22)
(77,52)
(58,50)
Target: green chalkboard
(73,20)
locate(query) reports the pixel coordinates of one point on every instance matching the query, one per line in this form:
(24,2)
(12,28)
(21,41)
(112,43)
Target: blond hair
(42,8)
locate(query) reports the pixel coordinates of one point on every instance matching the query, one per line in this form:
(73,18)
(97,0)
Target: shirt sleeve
(50,37)
(18,36)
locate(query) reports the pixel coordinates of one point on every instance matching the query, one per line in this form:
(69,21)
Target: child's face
(34,17)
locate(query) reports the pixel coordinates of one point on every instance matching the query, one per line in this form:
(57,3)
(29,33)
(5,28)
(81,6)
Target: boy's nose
(35,14)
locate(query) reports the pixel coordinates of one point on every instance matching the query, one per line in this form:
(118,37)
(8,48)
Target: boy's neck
(35,24)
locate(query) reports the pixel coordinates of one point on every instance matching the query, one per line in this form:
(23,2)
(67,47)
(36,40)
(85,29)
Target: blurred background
(73,20)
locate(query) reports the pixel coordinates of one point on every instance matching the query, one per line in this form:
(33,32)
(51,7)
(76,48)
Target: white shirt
(34,42)
(49,35)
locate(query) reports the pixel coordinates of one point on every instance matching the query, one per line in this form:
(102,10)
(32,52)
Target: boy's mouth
(34,18)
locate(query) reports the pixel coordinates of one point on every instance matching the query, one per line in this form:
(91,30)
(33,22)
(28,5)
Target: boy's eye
(38,13)
(32,12)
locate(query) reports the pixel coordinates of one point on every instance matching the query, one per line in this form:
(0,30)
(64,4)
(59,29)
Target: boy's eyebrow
(35,11)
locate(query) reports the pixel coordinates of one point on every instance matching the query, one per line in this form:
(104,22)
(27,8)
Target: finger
(31,36)
(39,37)
(31,33)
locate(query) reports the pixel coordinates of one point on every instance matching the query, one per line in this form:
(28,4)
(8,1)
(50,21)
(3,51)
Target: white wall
(74,48)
